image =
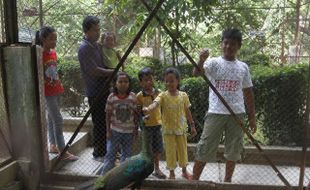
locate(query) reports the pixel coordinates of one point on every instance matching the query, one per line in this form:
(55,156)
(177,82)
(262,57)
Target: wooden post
(23,100)
(10,18)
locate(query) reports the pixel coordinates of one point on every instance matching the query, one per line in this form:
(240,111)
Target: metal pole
(306,136)
(4,85)
(41,13)
(107,83)
(10,19)
(222,100)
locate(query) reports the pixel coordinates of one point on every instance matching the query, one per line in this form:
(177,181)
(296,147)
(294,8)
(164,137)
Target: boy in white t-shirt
(232,79)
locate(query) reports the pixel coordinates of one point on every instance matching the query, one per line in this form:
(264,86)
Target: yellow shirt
(173,112)
(145,100)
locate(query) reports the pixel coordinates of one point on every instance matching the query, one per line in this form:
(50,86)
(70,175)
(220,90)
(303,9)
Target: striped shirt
(122,110)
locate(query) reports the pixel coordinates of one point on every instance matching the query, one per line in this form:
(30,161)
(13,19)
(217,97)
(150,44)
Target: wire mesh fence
(280,102)
(2,23)
(5,146)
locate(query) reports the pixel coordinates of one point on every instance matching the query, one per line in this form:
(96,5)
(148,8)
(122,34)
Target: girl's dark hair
(43,33)
(232,33)
(146,71)
(89,21)
(115,79)
(172,70)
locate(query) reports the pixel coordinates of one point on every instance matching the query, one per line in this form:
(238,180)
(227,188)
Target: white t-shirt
(229,78)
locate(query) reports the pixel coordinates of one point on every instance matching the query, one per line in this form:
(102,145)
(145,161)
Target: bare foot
(172,175)
(69,157)
(187,175)
(53,149)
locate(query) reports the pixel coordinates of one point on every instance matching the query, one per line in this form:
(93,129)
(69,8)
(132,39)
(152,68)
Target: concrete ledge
(79,181)
(290,156)
(77,146)
(279,155)
(8,174)
(205,185)
(15,185)
(70,124)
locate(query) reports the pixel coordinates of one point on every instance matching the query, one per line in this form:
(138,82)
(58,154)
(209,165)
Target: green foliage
(73,97)
(186,70)
(256,59)
(198,92)
(135,64)
(280,96)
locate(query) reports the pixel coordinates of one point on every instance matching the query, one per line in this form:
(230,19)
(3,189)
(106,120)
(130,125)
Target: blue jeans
(54,121)
(123,140)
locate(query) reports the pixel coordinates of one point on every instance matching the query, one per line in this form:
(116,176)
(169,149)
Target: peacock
(132,171)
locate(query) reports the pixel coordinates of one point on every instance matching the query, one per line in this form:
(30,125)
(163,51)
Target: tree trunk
(157,43)
(297,29)
(173,53)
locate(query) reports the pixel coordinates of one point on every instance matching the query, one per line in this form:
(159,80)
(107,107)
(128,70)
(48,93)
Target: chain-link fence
(280,93)
(2,23)
(5,146)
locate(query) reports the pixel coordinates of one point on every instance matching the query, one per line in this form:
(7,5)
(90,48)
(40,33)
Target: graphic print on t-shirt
(226,85)
(51,71)
(122,112)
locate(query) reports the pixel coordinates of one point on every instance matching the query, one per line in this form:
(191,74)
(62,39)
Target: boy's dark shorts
(154,133)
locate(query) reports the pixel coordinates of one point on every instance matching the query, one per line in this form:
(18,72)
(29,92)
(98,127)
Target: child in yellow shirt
(153,123)
(175,111)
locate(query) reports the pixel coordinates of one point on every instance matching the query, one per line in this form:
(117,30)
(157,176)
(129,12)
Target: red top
(52,84)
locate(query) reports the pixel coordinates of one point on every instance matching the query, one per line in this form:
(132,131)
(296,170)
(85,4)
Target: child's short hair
(115,79)
(175,71)
(89,21)
(232,33)
(144,72)
(172,70)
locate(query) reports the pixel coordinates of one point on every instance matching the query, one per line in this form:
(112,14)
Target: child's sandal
(53,149)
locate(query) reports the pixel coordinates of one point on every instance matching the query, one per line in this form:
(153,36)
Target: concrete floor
(245,174)
(214,172)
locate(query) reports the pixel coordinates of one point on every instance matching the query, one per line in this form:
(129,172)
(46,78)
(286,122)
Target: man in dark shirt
(94,74)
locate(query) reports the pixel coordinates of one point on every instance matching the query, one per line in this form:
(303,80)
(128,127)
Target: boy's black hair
(115,79)
(89,21)
(144,72)
(175,71)
(232,33)
(43,33)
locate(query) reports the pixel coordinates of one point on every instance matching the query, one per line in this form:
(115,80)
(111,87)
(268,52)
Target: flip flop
(70,157)
(187,176)
(159,175)
(53,150)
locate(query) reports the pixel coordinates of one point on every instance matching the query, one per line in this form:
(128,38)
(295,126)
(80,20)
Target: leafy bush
(136,63)
(280,94)
(73,97)
(198,92)
(257,59)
